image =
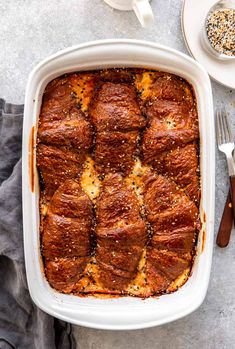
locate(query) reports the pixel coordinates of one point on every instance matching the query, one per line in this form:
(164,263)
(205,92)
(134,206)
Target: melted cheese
(179,281)
(83,86)
(143,83)
(135,179)
(44,208)
(89,180)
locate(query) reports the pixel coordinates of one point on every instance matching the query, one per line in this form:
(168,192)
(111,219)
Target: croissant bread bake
(118,163)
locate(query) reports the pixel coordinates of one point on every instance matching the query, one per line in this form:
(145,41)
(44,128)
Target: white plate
(127,312)
(193,17)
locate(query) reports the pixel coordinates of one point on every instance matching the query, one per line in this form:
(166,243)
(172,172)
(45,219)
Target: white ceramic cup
(142,9)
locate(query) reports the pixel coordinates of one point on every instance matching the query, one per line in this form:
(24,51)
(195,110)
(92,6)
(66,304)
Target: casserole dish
(126,312)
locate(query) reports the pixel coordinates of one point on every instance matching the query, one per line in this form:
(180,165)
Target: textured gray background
(33,29)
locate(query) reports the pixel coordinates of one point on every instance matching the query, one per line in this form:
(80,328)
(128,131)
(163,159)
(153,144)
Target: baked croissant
(173,218)
(66,237)
(116,116)
(64,137)
(121,233)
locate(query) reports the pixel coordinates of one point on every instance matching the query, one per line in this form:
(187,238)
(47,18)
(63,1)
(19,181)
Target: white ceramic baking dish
(126,312)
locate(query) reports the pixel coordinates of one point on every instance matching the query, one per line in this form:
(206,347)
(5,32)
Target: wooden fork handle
(226,223)
(228,217)
(232,193)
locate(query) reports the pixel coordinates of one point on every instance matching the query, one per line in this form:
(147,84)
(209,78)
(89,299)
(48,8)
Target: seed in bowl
(220,28)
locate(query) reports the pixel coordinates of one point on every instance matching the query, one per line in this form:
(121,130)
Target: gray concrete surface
(33,29)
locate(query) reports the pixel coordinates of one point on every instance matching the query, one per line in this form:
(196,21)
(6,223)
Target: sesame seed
(220,29)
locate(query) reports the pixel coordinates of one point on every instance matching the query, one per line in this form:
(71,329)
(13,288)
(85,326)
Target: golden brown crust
(72,131)
(169,141)
(162,268)
(181,164)
(115,108)
(117,118)
(120,231)
(56,100)
(173,218)
(64,272)
(57,164)
(115,151)
(170,125)
(64,135)
(66,237)
(172,88)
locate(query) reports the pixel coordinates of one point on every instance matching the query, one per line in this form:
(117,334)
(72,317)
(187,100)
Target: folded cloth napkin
(22,324)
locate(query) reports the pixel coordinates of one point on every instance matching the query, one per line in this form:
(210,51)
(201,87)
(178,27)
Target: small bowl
(220,5)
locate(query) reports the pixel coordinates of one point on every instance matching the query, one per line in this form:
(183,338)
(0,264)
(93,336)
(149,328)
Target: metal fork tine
(218,133)
(224,133)
(225,128)
(220,130)
(224,122)
(228,128)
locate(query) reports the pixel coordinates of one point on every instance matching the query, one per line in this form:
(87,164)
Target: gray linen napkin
(22,324)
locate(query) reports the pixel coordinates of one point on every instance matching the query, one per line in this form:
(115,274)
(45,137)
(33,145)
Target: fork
(226,145)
